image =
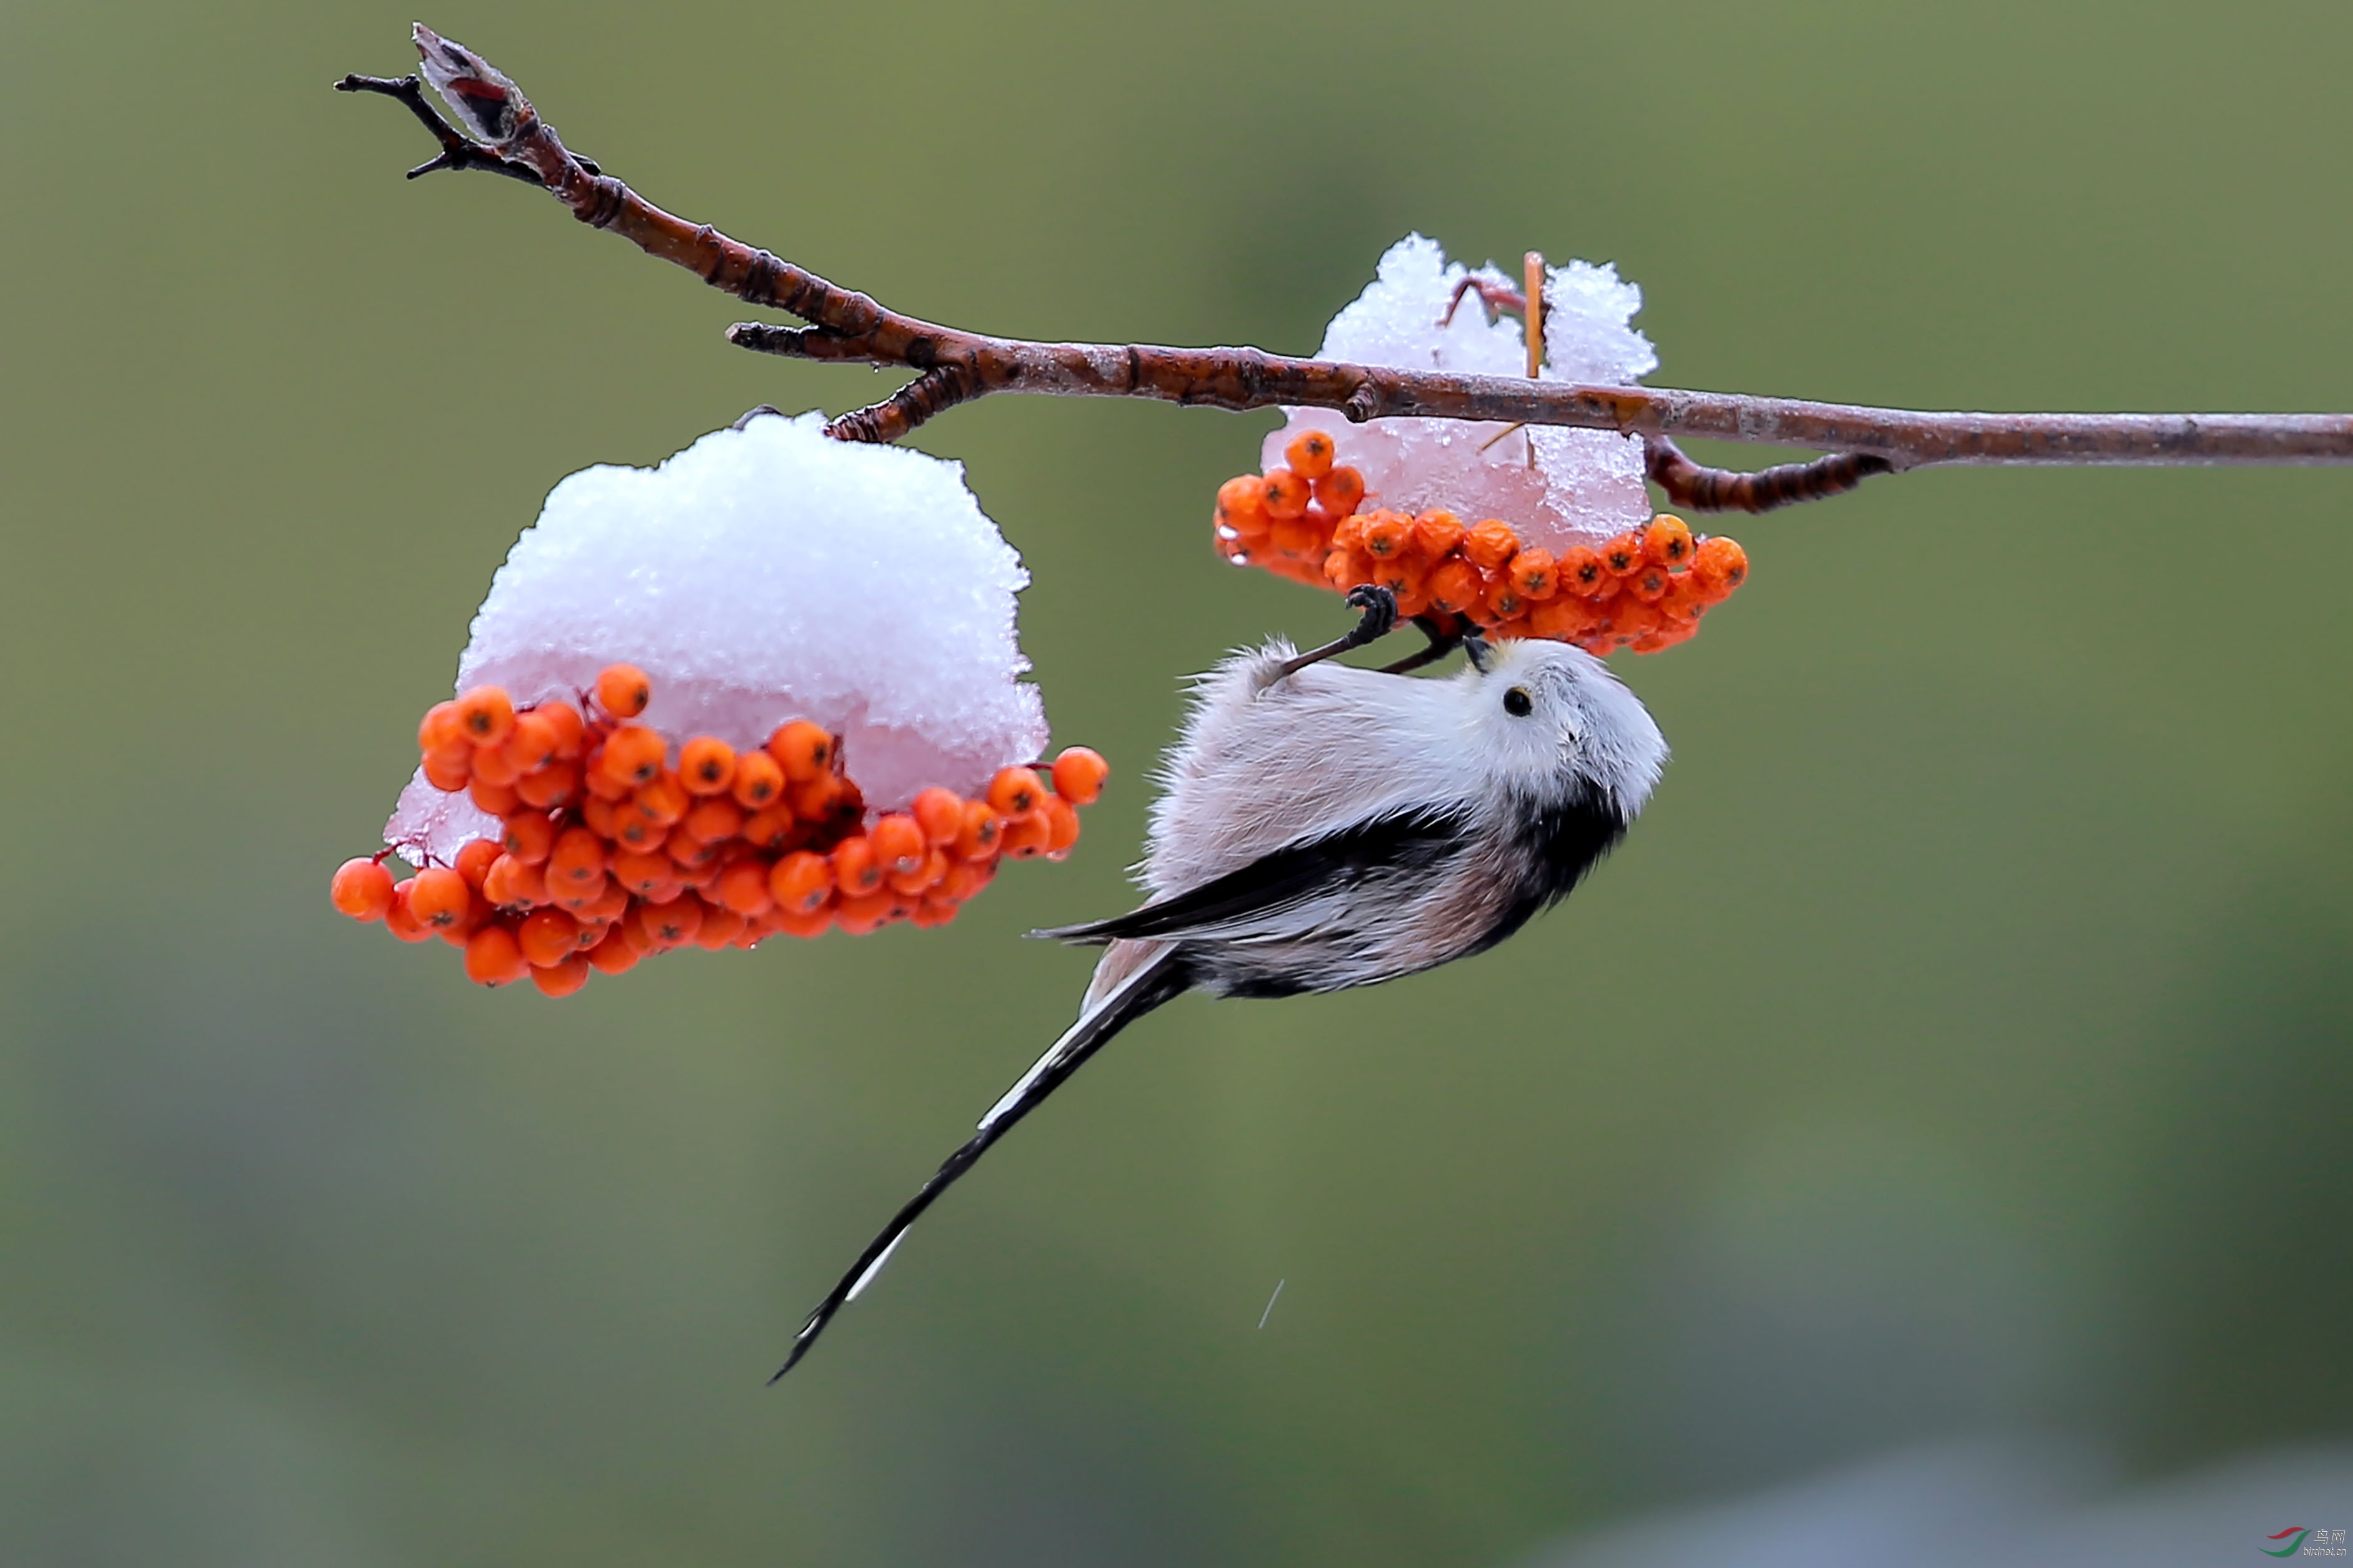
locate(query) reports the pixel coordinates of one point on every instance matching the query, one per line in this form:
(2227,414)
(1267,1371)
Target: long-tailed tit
(1322,826)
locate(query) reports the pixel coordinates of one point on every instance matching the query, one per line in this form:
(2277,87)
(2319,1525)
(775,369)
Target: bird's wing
(1411,839)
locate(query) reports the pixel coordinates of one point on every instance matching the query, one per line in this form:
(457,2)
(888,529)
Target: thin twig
(956,366)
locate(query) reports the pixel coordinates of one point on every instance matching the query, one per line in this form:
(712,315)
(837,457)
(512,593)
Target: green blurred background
(1960,1042)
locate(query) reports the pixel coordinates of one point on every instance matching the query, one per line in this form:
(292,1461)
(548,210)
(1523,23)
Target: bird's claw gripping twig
(1379,621)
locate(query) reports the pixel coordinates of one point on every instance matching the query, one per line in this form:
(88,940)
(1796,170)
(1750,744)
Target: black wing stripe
(1413,837)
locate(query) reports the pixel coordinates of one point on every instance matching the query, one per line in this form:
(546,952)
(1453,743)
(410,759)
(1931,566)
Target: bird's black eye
(1517,704)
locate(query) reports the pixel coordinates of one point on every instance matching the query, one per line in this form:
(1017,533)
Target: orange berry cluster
(1644,589)
(612,851)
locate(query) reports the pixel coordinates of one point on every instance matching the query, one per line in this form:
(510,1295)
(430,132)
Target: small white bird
(1322,826)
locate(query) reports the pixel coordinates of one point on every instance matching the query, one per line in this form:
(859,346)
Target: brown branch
(1696,488)
(956,366)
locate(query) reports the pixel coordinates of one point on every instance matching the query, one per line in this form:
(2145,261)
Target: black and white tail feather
(1320,827)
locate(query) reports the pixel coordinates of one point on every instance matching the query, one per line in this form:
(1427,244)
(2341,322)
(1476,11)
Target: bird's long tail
(1158,978)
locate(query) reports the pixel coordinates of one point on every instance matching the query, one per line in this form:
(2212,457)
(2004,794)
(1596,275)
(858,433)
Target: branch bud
(485,102)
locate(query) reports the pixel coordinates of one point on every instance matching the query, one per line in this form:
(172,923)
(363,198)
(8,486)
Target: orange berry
(1668,634)
(493,959)
(441,728)
(493,766)
(759,780)
(661,801)
(1015,792)
(802,750)
(623,690)
(744,888)
(706,765)
(529,743)
(1435,534)
(940,813)
(673,923)
(926,873)
(450,771)
(512,884)
(398,920)
(1579,570)
(1651,584)
(476,914)
(582,898)
(1454,587)
(576,859)
(438,897)
(855,870)
(1502,602)
(603,817)
(643,871)
(474,859)
(689,852)
(528,836)
(1490,545)
(485,715)
(1720,565)
(634,756)
(721,926)
(1535,573)
(613,954)
(547,937)
(965,878)
(1241,506)
(1622,555)
(640,872)
(1061,825)
(1344,569)
(1386,535)
(1340,490)
(1287,495)
(801,883)
(933,912)
(815,800)
(599,783)
(1667,542)
(899,844)
(361,889)
(715,820)
(1403,578)
(816,924)
(1564,618)
(1296,540)
(1079,775)
(1684,599)
(1348,534)
(1027,836)
(564,978)
(1310,454)
(565,720)
(769,826)
(982,831)
(630,830)
(1631,616)
(554,785)
(632,928)
(859,917)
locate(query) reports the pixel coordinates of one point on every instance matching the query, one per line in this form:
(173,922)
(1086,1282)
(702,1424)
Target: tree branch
(954,367)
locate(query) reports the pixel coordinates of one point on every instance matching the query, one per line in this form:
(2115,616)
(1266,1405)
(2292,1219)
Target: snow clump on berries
(1584,486)
(762,575)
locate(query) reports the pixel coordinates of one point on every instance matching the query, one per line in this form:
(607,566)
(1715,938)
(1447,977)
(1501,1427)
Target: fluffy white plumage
(1325,827)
